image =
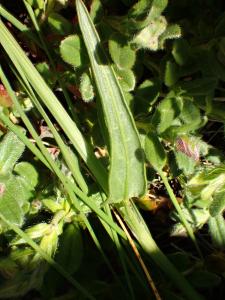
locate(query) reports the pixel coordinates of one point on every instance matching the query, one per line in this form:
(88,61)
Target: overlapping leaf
(126,176)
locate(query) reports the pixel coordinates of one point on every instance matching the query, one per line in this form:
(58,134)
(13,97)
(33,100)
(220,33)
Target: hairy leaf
(11,149)
(11,194)
(154,151)
(145,11)
(28,172)
(121,52)
(148,37)
(86,87)
(167,111)
(73,51)
(185,163)
(126,79)
(172,31)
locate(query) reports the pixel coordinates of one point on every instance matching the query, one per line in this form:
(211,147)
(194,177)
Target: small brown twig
(136,252)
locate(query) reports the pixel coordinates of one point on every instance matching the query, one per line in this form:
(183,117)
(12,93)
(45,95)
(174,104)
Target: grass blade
(72,189)
(17,55)
(67,184)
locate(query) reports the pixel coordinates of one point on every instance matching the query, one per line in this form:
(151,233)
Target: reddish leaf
(5,99)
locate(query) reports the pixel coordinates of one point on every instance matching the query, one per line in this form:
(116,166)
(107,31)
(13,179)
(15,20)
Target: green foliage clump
(148,134)
(17,180)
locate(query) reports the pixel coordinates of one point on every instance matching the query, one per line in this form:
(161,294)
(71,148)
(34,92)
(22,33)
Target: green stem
(139,228)
(179,210)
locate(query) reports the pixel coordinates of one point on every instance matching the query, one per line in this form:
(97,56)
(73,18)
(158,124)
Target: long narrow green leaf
(72,164)
(126,169)
(8,16)
(13,50)
(127,174)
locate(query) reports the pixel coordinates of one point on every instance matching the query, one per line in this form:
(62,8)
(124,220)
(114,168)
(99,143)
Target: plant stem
(179,210)
(139,228)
